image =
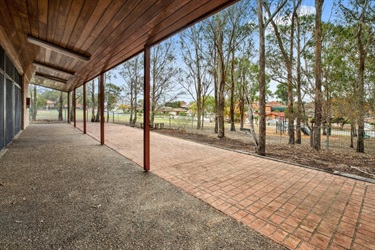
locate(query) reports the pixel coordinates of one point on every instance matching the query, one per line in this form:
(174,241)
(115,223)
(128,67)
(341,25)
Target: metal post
(68,116)
(74,108)
(101,82)
(146,110)
(84,108)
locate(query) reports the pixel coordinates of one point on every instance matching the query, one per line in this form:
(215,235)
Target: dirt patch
(349,162)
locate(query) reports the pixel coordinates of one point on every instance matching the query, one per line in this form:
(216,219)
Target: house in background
(274,110)
(172,111)
(50,104)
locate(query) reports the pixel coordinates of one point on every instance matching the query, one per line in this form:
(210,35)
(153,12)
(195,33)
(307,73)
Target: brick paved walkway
(298,207)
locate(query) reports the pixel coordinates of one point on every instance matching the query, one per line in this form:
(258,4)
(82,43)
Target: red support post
(84,108)
(74,108)
(146,110)
(68,113)
(101,100)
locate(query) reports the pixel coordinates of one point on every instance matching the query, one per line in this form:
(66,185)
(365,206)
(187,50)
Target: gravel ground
(59,189)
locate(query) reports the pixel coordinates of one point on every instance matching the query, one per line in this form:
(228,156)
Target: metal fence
(338,139)
(332,138)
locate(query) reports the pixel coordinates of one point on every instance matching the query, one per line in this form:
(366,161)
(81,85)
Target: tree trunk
(242,113)
(97,118)
(107,114)
(216,129)
(198,89)
(135,87)
(361,94)
(203,111)
(152,113)
(35,103)
(131,102)
(232,126)
(135,105)
(352,133)
(299,97)
(220,109)
(222,75)
(290,107)
(261,148)
(92,101)
(318,75)
(60,110)
(251,121)
(199,112)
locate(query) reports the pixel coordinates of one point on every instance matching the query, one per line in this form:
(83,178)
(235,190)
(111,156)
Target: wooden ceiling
(107,32)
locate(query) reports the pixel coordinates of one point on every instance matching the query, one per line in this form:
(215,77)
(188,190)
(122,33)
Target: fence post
(170,122)
(113,116)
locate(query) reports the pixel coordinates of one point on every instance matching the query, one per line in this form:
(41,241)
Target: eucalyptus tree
(196,78)
(263,22)
(286,46)
(112,94)
(132,74)
(240,27)
(164,74)
(361,15)
(318,75)
(227,30)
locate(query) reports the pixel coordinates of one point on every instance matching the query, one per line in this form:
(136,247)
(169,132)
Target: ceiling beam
(44,66)
(57,49)
(51,78)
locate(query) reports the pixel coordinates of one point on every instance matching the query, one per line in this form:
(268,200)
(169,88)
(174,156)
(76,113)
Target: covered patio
(65,44)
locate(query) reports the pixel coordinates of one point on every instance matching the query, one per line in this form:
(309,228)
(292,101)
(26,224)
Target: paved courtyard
(298,207)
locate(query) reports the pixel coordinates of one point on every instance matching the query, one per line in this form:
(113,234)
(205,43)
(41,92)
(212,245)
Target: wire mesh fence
(338,139)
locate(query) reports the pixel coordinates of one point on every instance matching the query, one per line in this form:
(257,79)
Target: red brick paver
(298,207)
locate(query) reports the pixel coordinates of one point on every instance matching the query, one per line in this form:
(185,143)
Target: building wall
(10,100)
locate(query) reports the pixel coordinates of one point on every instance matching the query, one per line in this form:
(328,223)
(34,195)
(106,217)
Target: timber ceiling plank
(109,31)
(196,13)
(61,21)
(109,22)
(112,11)
(97,14)
(57,26)
(134,10)
(76,30)
(78,12)
(32,8)
(32,13)
(67,17)
(80,24)
(43,18)
(143,38)
(133,24)
(13,32)
(23,13)
(192,10)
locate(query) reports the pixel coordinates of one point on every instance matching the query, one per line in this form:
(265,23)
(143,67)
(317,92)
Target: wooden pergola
(71,42)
